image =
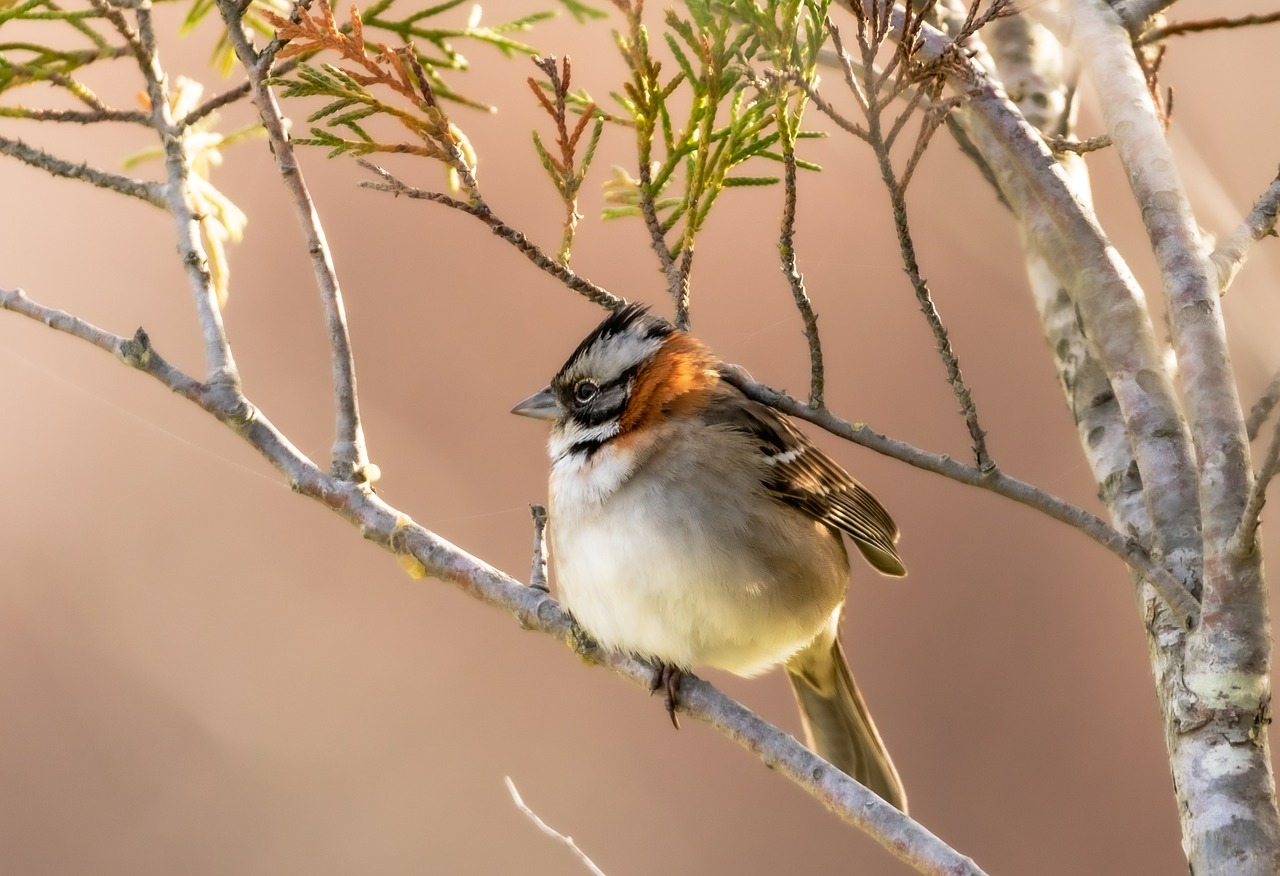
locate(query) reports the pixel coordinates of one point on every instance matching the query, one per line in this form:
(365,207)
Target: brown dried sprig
(565,171)
(318,31)
(351,100)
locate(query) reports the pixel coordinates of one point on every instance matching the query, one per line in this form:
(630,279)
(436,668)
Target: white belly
(645,574)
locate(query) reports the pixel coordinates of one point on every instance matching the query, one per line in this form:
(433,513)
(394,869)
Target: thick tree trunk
(1213,682)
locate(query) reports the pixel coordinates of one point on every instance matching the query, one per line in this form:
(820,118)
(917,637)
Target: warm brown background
(202,673)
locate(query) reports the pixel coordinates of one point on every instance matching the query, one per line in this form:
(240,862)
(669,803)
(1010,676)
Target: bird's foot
(666,677)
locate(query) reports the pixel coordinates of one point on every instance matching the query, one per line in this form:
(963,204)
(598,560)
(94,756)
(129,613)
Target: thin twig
(1078,147)
(791,270)
(77,117)
(111,12)
(1185,27)
(350,456)
(1244,539)
(1262,407)
(934,118)
(533,609)
(144,190)
(897,196)
(1261,222)
(231,95)
(847,125)
(566,841)
(1180,601)
(538,568)
(1136,13)
(676,287)
(481,211)
(221,366)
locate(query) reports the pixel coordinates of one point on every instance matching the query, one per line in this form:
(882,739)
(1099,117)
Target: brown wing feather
(806,478)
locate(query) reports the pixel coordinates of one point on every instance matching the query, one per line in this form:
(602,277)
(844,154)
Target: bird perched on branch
(693,526)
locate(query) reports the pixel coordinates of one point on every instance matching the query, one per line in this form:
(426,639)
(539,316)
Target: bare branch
(220,364)
(1233,592)
(1262,407)
(1136,13)
(790,269)
(432,555)
(677,286)
(1180,601)
(77,117)
(1078,147)
(1185,27)
(566,841)
(872,29)
(481,211)
(849,127)
(538,568)
(350,456)
(1107,294)
(1244,540)
(1261,222)
(111,12)
(144,190)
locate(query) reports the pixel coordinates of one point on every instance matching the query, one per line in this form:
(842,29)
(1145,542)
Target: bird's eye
(585,391)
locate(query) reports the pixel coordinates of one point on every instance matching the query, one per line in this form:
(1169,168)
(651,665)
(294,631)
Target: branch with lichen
(1230,256)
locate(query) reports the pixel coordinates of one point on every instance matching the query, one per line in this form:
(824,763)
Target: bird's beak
(541,406)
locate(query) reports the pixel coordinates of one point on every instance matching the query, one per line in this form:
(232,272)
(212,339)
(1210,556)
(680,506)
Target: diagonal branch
(428,554)
(677,280)
(480,210)
(1261,222)
(1262,407)
(1180,601)
(1201,25)
(144,190)
(791,270)
(1110,302)
(350,457)
(1136,13)
(566,841)
(1245,539)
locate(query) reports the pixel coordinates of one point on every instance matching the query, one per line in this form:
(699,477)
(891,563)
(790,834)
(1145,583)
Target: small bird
(692,526)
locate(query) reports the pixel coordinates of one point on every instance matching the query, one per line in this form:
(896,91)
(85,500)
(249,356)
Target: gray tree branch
(144,190)
(534,609)
(1261,222)
(350,457)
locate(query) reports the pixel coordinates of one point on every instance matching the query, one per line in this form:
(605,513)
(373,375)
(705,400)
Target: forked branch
(350,457)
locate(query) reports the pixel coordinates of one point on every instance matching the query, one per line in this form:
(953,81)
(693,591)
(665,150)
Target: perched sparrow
(693,526)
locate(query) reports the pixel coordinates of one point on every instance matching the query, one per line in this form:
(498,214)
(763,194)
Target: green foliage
(27,61)
(435,46)
(733,114)
(351,100)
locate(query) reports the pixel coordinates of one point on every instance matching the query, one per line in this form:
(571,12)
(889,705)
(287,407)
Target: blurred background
(201,672)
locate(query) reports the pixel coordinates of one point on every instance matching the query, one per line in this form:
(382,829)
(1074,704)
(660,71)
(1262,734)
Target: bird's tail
(837,724)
